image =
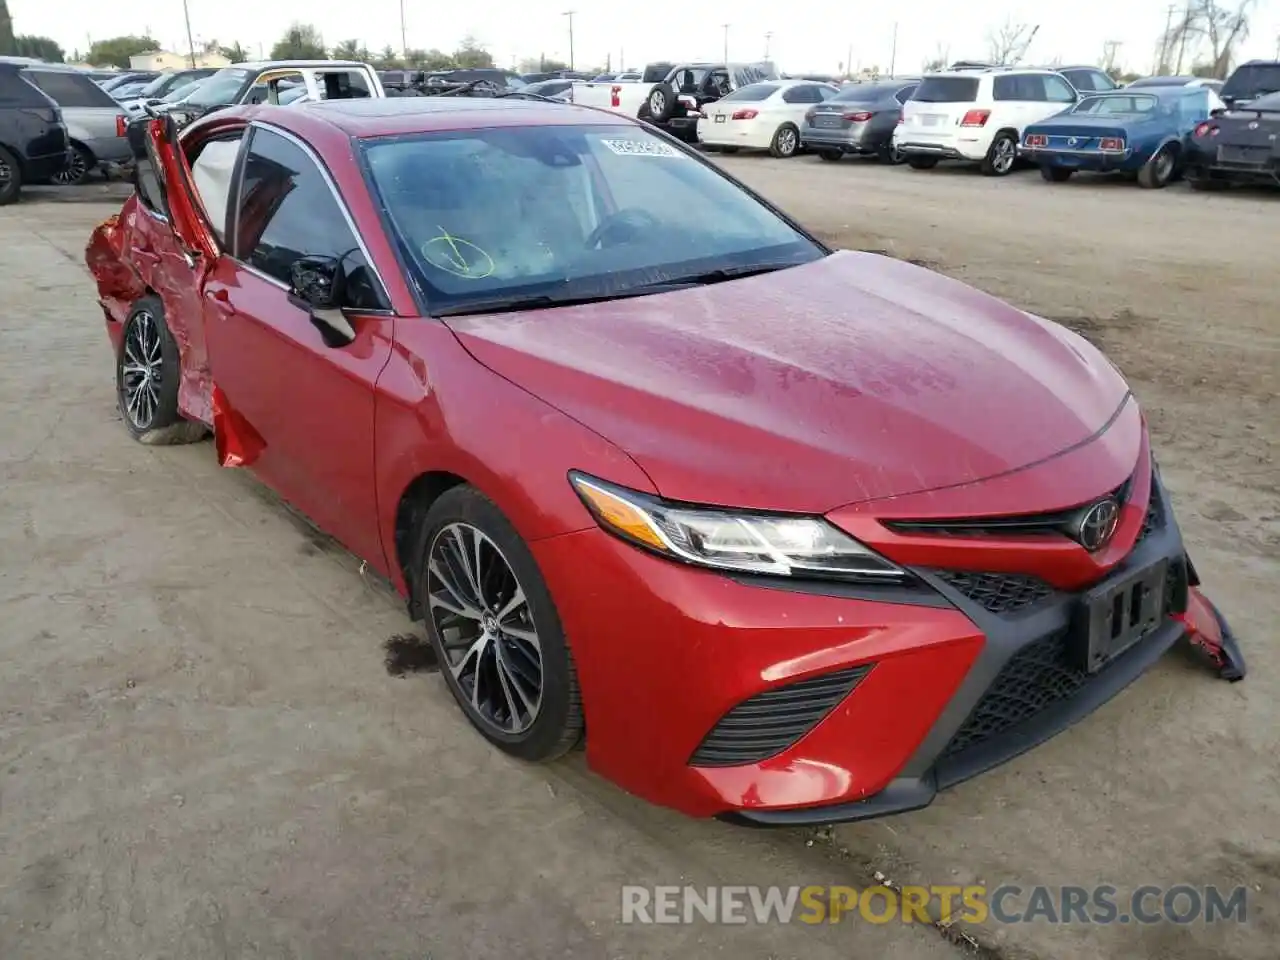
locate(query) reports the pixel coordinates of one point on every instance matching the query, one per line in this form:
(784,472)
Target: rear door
(1053,95)
(310,404)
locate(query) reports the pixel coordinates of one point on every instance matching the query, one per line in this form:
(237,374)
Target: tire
(1056,174)
(10,178)
(661,102)
(786,141)
(890,154)
(1002,156)
(832,155)
(921,163)
(464,515)
(151,415)
(1157,172)
(79,168)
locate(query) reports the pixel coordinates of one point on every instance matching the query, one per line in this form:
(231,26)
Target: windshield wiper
(541,301)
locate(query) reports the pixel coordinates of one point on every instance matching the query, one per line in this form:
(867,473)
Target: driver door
(173,249)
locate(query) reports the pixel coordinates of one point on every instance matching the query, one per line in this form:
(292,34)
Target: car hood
(851,378)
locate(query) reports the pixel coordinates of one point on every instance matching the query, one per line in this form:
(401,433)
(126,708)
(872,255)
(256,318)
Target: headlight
(777,545)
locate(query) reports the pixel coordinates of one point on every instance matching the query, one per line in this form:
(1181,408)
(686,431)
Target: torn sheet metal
(237,443)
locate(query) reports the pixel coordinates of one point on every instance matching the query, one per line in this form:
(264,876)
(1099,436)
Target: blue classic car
(1142,131)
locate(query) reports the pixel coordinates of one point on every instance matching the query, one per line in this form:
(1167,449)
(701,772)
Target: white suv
(977,116)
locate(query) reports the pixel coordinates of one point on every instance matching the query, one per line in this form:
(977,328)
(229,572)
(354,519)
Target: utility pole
(848,63)
(191,44)
(726,42)
(404,36)
(569,14)
(767,37)
(1182,38)
(893,51)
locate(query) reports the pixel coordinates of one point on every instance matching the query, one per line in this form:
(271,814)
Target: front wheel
(922,163)
(1158,171)
(786,141)
(495,629)
(1001,156)
(1056,174)
(147,374)
(10,177)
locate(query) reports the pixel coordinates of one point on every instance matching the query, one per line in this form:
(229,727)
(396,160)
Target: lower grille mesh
(768,723)
(998,592)
(1037,676)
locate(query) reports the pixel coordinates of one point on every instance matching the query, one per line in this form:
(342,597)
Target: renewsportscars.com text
(975,904)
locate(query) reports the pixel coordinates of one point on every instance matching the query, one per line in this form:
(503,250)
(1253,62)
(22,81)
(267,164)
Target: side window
(70,89)
(903,95)
(826,93)
(1057,90)
(212,172)
(1004,88)
(286,210)
(805,93)
(17,91)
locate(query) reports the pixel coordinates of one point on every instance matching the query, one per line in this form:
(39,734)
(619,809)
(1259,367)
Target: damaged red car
(784,534)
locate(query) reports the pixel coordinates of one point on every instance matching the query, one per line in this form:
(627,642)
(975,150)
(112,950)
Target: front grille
(765,725)
(1037,676)
(997,592)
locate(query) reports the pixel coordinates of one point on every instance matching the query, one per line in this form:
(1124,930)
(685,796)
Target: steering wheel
(621,226)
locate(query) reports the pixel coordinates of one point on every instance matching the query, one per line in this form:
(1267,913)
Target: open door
(164,179)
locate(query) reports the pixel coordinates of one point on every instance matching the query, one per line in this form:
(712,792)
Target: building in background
(164,60)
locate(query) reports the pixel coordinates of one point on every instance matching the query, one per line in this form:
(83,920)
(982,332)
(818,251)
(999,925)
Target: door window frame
(251,130)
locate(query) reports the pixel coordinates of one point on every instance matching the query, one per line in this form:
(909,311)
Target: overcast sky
(807,35)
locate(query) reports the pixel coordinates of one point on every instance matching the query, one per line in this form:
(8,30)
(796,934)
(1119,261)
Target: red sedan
(786,534)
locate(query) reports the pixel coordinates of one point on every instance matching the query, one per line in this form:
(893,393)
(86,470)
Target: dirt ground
(212,743)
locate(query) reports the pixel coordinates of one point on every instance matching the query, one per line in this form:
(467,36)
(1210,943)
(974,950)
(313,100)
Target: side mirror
(316,286)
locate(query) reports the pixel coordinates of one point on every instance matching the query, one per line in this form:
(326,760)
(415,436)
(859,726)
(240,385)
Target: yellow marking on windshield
(455,255)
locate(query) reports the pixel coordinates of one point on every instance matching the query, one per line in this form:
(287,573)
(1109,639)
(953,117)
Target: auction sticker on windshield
(641,148)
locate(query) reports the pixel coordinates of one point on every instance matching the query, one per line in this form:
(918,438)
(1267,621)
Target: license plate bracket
(1113,617)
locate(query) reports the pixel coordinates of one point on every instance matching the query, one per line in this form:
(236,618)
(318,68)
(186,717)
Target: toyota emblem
(1098,524)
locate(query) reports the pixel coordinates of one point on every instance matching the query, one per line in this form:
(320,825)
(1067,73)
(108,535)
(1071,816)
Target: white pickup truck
(265,82)
(674,100)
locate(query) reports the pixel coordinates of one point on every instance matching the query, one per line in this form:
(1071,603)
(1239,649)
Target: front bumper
(685,673)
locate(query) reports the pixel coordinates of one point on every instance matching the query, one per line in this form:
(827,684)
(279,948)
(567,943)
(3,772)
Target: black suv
(33,138)
(1250,81)
(676,102)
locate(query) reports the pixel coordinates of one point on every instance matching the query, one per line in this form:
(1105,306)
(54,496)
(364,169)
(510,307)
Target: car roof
(398,116)
(989,72)
(280,64)
(1161,92)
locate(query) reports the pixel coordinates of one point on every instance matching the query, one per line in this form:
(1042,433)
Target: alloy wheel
(142,370)
(657,103)
(1005,153)
(787,142)
(77,169)
(1164,166)
(485,627)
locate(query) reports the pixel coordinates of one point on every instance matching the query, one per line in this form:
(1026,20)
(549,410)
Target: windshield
(1252,80)
(565,212)
(223,87)
(752,94)
(1113,104)
(180,92)
(947,90)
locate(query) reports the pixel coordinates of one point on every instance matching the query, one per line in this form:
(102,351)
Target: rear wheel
(495,628)
(831,154)
(79,165)
(1056,174)
(922,163)
(1159,170)
(10,177)
(1001,156)
(786,141)
(890,154)
(147,374)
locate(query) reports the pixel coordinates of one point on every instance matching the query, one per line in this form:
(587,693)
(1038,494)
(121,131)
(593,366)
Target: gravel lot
(204,752)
